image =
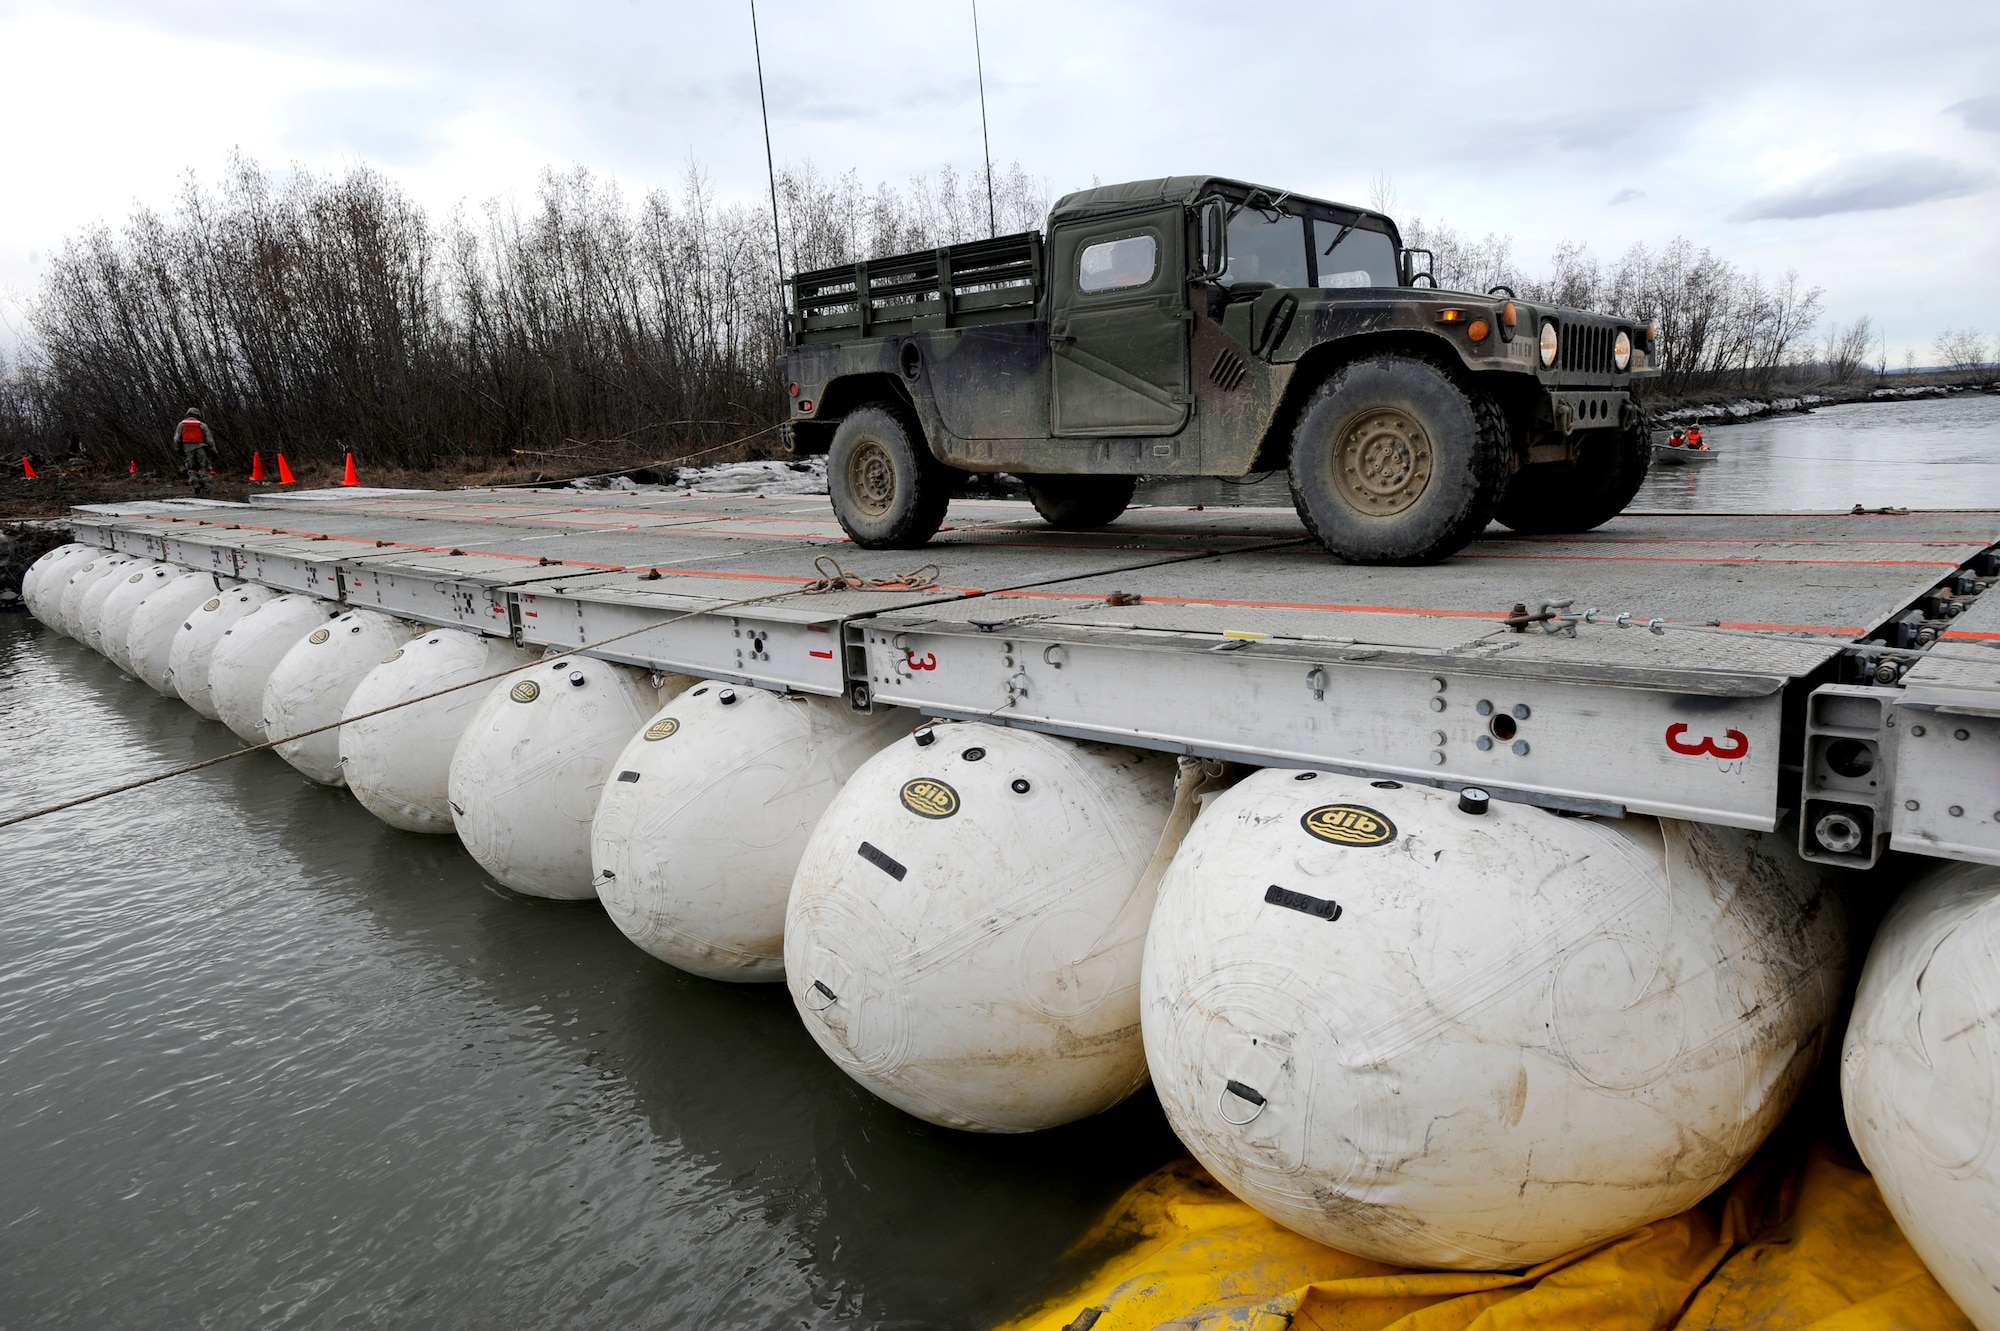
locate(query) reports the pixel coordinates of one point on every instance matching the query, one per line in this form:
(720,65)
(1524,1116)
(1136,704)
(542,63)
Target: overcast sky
(1859,143)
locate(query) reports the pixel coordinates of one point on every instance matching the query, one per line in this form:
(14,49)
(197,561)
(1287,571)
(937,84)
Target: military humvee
(1196,326)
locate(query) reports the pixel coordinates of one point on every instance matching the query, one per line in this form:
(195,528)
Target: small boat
(1675,455)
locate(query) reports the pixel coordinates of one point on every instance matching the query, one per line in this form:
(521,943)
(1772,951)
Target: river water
(264,1061)
(1938,453)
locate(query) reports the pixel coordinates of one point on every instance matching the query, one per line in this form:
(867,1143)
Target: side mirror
(1214,220)
(1412,275)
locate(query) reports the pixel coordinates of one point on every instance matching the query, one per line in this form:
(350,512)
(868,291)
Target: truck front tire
(1394,463)
(1079,503)
(1556,498)
(887,490)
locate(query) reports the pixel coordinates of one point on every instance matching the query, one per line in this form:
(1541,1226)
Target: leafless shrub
(1847,348)
(1961,348)
(313,313)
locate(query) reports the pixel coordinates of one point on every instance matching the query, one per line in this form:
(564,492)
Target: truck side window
(1266,247)
(1111,265)
(1360,258)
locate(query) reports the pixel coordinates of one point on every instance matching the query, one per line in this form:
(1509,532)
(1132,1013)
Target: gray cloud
(1866,184)
(1978,112)
(1627,195)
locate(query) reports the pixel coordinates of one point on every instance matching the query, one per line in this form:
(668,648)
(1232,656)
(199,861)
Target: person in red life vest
(197,449)
(1676,439)
(1694,437)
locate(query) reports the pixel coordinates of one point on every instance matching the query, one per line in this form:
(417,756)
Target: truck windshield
(1266,247)
(1357,258)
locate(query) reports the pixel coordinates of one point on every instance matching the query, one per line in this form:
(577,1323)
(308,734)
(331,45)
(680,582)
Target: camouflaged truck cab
(1196,326)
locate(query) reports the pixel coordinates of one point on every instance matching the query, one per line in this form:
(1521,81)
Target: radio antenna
(979,62)
(770,166)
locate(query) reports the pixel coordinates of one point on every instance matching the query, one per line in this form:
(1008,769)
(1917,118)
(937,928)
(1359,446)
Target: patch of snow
(807,476)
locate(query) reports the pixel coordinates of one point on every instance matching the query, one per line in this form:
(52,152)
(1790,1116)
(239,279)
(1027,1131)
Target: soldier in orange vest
(197,449)
(1694,437)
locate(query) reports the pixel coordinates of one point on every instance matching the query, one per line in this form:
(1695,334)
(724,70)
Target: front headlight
(1549,344)
(1621,350)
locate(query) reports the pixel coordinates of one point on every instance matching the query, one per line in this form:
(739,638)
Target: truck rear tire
(887,490)
(1394,463)
(1554,498)
(1079,503)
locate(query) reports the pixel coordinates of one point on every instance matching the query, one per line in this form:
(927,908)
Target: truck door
(1118,325)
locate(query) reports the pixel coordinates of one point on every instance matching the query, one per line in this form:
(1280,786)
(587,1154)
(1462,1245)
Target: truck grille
(1585,348)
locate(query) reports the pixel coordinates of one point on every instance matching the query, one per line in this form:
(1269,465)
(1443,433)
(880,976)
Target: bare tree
(1382,192)
(316,313)
(1847,348)
(1961,348)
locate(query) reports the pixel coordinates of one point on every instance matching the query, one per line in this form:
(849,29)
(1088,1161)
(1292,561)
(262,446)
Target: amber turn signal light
(1451,316)
(1477,330)
(1508,316)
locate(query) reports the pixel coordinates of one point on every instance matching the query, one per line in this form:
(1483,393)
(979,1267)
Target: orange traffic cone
(257,467)
(133,469)
(285,476)
(350,478)
(28,472)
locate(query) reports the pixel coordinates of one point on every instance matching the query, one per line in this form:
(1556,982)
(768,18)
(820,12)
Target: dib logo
(526,691)
(319,636)
(927,797)
(212,603)
(662,728)
(396,655)
(1349,825)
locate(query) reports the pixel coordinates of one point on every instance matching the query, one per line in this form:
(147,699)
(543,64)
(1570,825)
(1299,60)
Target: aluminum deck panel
(1947,745)
(1245,640)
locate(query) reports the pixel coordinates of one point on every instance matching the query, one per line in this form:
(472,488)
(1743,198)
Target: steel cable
(838,579)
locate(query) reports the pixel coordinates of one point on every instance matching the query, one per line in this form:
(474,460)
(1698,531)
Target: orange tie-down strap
(1809,1246)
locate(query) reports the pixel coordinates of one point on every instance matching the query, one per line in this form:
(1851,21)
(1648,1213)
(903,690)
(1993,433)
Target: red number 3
(1736,746)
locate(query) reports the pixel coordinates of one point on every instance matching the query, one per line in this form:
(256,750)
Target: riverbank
(21,544)
(1723,409)
(60,487)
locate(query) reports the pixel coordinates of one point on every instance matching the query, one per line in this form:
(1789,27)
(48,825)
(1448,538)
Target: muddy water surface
(266,1062)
